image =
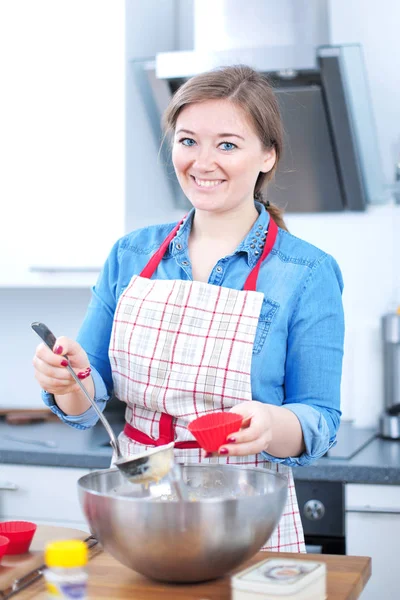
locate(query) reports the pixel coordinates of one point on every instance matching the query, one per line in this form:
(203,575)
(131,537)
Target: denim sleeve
(314,361)
(89,417)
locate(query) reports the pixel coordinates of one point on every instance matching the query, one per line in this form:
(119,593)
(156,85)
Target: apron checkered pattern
(180,349)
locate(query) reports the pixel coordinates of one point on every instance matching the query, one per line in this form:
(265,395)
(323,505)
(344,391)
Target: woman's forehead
(217,116)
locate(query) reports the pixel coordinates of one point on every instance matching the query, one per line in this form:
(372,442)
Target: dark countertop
(86,449)
(378,462)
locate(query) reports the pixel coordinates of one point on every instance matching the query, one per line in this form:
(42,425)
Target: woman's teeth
(208,182)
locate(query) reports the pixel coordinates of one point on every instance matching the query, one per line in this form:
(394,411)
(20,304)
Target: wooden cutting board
(15,567)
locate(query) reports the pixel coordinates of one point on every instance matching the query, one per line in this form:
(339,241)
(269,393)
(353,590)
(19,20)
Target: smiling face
(218,156)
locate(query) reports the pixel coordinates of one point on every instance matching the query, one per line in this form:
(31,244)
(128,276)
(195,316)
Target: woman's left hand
(256,434)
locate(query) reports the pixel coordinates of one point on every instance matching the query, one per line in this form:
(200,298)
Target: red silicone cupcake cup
(20,534)
(4,542)
(212,430)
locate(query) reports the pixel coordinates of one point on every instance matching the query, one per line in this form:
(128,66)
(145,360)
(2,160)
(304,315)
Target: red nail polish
(224,451)
(83,375)
(64,363)
(231,440)
(207,455)
(58,349)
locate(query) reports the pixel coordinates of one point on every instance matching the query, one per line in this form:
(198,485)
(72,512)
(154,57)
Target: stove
(350,441)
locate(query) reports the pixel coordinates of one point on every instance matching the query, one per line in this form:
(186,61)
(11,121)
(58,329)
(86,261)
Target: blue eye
(228,146)
(187,142)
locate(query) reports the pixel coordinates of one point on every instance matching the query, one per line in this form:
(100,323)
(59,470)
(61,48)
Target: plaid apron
(180,349)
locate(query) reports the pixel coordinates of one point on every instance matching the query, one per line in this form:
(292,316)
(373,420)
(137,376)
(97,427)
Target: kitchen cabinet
(44,495)
(62,140)
(373,529)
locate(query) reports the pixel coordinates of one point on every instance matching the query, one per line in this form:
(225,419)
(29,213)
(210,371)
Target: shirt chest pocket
(268,312)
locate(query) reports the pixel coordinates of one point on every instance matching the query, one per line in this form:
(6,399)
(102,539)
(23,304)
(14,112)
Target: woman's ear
(269,160)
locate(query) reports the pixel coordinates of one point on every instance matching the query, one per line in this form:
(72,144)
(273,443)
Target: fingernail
(231,440)
(64,363)
(83,374)
(58,349)
(224,451)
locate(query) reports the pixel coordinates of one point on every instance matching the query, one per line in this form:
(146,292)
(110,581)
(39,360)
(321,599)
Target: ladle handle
(49,339)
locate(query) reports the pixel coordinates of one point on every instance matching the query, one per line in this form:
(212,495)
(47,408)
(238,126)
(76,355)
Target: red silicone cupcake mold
(4,542)
(20,534)
(211,430)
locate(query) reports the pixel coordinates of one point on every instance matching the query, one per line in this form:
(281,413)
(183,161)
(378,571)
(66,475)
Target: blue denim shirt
(298,349)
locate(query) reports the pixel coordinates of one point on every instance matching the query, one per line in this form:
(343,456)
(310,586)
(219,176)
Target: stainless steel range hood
(330,160)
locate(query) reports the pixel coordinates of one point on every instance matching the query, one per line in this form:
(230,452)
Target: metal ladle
(147,466)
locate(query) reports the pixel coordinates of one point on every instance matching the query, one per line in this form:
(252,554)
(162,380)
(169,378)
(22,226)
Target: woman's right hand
(50,365)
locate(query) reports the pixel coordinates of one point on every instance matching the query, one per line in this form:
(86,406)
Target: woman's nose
(205,160)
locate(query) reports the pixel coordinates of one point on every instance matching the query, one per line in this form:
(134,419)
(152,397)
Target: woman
(223,311)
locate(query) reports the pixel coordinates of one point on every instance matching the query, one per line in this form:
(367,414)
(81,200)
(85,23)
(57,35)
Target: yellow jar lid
(66,553)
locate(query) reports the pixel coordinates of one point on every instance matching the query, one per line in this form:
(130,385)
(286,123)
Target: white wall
(61,156)
(365,245)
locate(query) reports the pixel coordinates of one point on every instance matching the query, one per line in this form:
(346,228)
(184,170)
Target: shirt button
(256,252)
(219,269)
(252,245)
(178,246)
(260,227)
(185,263)
(257,233)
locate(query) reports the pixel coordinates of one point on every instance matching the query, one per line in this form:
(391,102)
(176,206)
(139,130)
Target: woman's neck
(232,226)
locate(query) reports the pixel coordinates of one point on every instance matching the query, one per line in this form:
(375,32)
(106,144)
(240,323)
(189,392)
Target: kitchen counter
(346,578)
(87,449)
(378,462)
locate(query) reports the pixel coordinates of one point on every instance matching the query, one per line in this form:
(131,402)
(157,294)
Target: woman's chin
(205,202)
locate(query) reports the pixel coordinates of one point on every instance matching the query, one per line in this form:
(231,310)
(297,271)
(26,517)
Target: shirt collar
(252,245)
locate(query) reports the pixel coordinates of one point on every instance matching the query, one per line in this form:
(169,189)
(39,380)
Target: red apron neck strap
(251,281)
(155,260)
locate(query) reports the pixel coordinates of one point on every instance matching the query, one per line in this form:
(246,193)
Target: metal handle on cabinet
(375,511)
(8,485)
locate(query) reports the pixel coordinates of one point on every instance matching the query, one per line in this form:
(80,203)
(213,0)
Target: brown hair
(252,92)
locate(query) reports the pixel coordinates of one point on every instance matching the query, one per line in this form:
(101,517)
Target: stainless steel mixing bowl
(232,512)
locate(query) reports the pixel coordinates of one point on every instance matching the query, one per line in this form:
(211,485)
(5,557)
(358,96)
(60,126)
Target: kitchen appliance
(322,510)
(330,161)
(390,418)
(233,513)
